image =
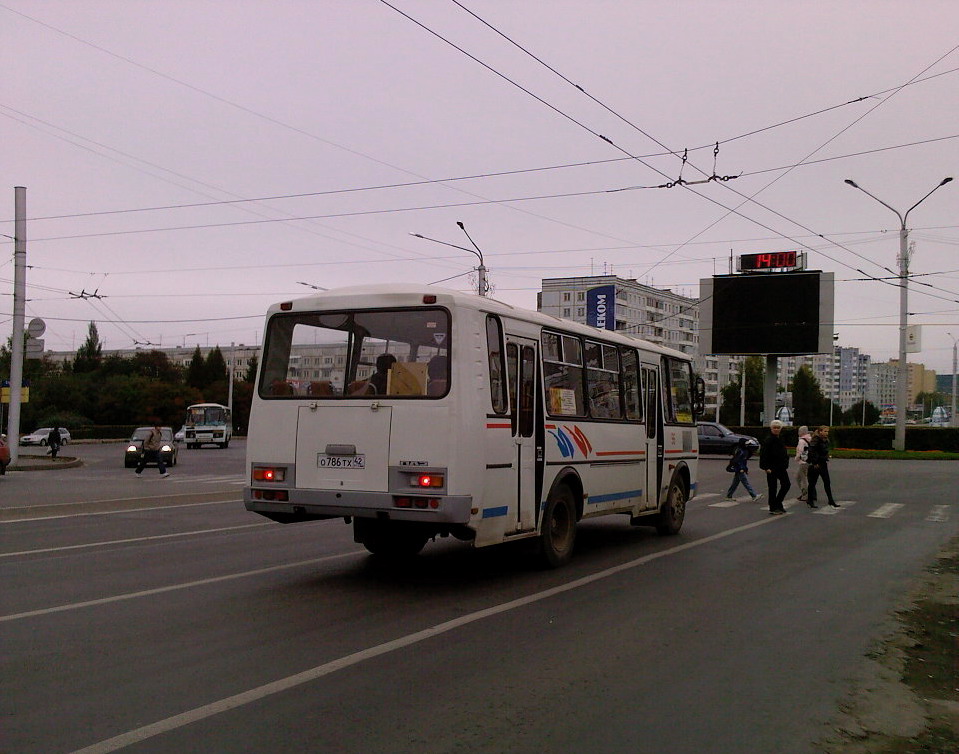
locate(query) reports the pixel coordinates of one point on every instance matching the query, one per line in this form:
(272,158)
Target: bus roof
(388,295)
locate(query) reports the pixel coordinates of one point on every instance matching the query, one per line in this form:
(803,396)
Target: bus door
(654,435)
(521,363)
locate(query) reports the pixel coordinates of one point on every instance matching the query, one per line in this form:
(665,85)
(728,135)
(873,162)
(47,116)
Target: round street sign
(36,328)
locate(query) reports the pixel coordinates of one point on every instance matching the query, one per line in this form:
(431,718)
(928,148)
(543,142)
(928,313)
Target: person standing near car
(53,440)
(819,467)
(151,451)
(774,460)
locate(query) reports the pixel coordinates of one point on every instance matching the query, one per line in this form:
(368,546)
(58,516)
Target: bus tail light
(268,474)
(427,480)
(417,502)
(281,496)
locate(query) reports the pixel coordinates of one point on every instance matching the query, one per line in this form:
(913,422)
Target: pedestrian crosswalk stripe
(724,504)
(939,514)
(886,511)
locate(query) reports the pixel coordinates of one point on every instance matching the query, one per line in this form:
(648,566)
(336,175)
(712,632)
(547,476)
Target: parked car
(4,455)
(716,438)
(134,451)
(39,436)
(180,434)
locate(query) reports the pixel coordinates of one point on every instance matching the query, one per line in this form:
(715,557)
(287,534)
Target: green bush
(872,438)
(103,431)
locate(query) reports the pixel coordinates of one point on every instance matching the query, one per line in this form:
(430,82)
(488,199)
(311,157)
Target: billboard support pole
(769,389)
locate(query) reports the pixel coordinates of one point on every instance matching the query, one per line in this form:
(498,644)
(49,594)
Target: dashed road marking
(886,511)
(939,514)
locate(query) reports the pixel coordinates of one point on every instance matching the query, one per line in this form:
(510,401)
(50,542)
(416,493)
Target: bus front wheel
(559,528)
(671,515)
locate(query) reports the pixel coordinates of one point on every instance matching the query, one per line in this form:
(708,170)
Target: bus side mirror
(699,398)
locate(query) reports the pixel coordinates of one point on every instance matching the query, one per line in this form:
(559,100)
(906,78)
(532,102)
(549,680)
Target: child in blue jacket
(738,466)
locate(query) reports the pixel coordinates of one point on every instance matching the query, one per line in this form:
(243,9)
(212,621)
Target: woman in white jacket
(802,464)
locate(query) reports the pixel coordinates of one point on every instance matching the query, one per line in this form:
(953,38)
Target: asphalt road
(159,616)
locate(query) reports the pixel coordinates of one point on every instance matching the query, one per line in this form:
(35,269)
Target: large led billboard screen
(782,313)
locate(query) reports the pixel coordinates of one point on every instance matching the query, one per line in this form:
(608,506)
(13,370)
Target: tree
(854,414)
(809,403)
(90,354)
(196,372)
(755,374)
(215,367)
(252,366)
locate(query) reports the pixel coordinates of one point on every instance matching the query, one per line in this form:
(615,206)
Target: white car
(39,436)
(180,434)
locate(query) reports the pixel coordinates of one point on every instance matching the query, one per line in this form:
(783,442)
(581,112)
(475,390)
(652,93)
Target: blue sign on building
(601,307)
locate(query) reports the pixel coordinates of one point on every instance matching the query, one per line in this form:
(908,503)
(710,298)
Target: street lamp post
(902,373)
(953,419)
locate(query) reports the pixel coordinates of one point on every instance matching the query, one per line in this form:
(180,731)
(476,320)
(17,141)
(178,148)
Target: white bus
(414,412)
(208,424)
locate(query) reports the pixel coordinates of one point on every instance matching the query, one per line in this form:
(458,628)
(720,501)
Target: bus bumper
(307,505)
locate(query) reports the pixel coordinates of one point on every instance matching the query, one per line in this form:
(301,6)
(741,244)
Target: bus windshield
(355,354)
(206,415)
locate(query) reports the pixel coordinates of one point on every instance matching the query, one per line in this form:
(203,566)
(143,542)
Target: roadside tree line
(94,389)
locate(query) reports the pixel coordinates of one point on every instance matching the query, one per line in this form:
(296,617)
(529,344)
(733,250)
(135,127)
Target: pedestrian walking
(151,451)
(802,463)
(54,441)
(740,469)
(774,460)
(819,467)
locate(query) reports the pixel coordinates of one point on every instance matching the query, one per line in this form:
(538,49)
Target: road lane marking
(119,510)
(939,514)
(307,676)
(886,511)
(133,539)
(172,588)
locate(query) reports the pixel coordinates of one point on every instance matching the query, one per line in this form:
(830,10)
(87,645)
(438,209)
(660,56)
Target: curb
(44,465)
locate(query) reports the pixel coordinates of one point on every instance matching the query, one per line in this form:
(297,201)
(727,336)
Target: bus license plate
(324,461)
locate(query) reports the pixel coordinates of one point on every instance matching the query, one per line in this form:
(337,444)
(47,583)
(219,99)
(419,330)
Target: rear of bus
(352,417)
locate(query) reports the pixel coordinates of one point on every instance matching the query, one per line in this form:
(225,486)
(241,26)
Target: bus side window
(497,369)
(563,375)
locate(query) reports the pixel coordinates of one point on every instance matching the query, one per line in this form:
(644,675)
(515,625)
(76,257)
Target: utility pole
(19,306)
(902,376)
(742,394)
(953,419)
(229,397)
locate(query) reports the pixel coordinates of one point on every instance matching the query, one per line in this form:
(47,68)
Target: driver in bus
(384,363)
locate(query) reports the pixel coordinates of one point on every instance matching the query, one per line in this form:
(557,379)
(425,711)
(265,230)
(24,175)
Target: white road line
(886,511)
(122,510)
(307,676)
(939,514)
(724,504)
(705,495)
(133,539)
(172,588)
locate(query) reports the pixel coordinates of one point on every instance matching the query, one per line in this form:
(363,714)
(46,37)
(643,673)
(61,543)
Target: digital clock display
(774,260)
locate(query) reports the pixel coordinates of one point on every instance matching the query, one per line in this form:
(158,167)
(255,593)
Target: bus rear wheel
(673,512)
(558,533)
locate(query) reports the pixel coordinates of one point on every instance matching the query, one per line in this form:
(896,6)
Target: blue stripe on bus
(494,512)
(596,499)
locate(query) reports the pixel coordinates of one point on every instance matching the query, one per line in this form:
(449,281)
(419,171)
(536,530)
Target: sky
(189,163)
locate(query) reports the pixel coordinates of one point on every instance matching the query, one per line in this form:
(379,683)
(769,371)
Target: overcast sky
(137,127)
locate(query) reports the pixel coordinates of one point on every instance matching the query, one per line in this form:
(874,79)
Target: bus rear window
(357,354)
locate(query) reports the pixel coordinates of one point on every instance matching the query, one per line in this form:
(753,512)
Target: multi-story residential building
(842,376)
